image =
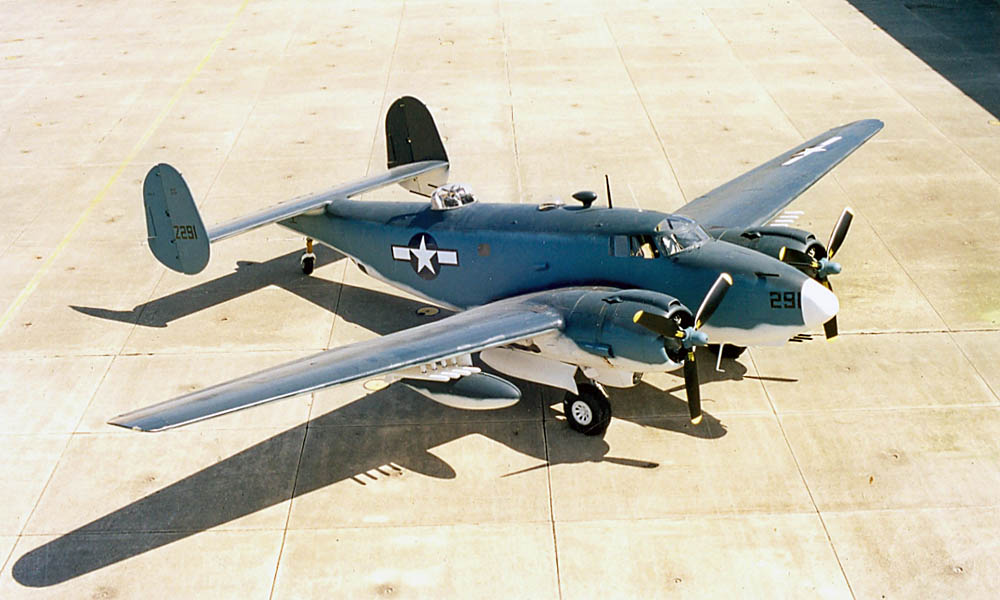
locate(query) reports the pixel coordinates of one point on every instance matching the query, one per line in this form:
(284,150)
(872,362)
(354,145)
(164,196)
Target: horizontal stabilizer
(174,229)
(297,206)
(179,240)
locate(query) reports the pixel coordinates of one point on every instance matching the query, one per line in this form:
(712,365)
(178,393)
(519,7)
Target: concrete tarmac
(864,468)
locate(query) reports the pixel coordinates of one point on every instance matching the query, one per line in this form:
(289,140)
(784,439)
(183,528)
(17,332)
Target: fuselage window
(642,246)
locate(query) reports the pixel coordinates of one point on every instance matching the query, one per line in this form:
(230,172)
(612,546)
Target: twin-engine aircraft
(578,297)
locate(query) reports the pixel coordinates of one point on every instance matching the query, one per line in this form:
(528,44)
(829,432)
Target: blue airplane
(578,297)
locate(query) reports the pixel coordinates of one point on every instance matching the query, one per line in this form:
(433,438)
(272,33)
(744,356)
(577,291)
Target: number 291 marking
(786,300)
(185,232)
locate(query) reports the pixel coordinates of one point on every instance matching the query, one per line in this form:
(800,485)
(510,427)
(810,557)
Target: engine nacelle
(601,323)
(771,239)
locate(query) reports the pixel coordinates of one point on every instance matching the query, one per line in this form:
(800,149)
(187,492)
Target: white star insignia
(810,150)
(424,256)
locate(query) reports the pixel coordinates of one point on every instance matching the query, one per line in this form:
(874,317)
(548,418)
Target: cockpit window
(679,234)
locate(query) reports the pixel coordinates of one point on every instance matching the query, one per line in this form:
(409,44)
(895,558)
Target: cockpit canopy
(676,233)
(451,195)
(672,235)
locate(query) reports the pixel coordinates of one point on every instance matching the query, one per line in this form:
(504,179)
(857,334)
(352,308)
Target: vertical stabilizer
(174,229)
(411,136)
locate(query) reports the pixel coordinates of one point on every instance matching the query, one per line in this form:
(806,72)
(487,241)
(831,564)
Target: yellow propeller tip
(728,278)
(696,420)
(637,316)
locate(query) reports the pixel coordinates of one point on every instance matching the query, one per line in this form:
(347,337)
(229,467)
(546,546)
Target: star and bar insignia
(424,256)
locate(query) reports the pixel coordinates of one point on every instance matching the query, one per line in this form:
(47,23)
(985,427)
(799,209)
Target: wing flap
(758,195)
(474,330)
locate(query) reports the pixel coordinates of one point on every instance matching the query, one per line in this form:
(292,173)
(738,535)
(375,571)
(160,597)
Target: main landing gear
(589,411)
(308,260)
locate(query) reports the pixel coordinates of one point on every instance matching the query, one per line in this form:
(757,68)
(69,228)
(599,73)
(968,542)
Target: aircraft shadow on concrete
(956,39)
(260,476)
(349,302)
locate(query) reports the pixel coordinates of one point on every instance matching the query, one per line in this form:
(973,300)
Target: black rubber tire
(588,412)
(730,351)
(308,264)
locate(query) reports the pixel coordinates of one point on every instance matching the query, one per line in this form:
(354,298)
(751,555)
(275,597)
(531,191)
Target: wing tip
(124,424)
(875,125)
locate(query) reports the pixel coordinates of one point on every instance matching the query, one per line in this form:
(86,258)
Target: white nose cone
(819,305)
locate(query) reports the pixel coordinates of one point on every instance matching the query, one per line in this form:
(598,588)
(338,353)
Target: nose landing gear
(308,260)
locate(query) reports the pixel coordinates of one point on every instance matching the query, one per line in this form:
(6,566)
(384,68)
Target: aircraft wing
(756,196)
(476,329)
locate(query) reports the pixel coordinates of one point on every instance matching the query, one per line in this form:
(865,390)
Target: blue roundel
(424,256)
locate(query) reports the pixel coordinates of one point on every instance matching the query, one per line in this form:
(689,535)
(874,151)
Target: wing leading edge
(479,328)
(758,195)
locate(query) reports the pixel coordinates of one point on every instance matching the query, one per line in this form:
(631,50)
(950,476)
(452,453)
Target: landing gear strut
(588,412)
(308,260)
(728,350)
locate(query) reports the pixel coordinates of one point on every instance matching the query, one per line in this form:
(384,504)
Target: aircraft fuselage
(484,252)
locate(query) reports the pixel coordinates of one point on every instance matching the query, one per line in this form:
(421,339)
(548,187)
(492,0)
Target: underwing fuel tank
(479,391)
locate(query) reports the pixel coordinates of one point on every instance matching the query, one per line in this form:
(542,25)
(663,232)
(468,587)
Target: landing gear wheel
(308,263)
(729,351)
(588,412)
(308,260)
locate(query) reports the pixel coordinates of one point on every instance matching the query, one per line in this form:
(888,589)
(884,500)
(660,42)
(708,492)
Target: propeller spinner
(689,337)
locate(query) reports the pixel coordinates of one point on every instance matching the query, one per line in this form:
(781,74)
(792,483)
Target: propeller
(821,269)
(689,338)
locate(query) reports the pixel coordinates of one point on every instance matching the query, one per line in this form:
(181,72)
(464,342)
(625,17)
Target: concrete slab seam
(510,97)
(37,277)
(839,185)
(552,514)
(385,91)
(878,74)
(291,499)
(649,118)
(805,483)
(55,465)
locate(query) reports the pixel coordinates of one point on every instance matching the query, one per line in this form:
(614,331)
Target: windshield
(678,234)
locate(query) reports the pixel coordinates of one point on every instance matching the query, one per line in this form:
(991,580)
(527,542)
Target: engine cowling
(602,323)
(770,240)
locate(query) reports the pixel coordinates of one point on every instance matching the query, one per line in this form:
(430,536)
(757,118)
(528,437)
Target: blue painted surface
(575,244)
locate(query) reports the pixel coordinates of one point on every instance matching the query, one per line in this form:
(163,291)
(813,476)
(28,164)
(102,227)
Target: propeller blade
(798,259)
(658,324)
(692,387)
(830,328)
(712,299)
(839,232)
